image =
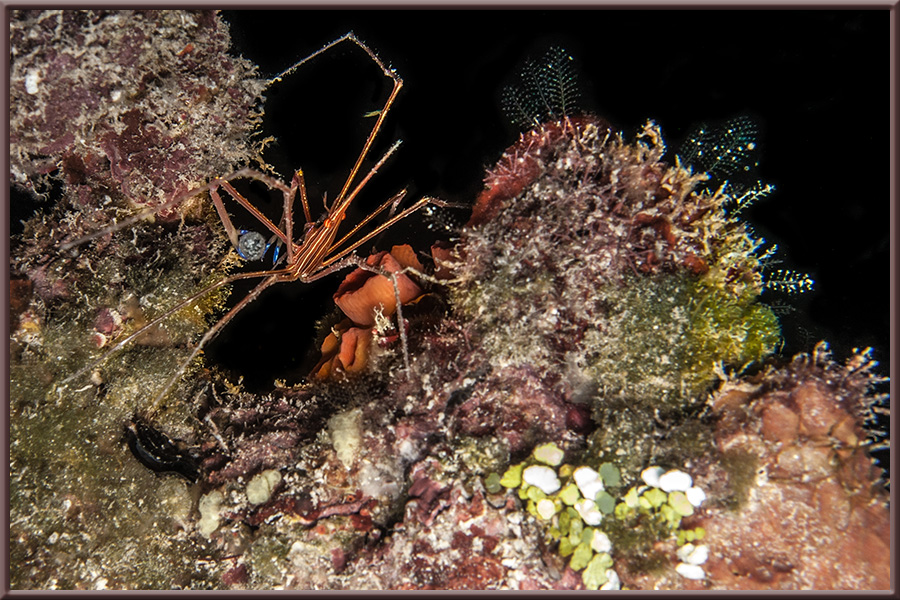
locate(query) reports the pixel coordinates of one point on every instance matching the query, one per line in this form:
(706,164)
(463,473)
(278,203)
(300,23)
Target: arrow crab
(301,252)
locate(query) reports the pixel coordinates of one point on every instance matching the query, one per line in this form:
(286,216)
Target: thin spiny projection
(545,90)
(721,151)
(732,149)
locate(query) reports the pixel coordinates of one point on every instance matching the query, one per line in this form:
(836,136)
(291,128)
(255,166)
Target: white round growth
(612,581)
(690,571)
(588,482)
(600,542)
(210,506)
(589,513)
(695,496)
(543,478)
(549,454)
(675,481)
(32,79)
(546,509)
(693,555)
(651,475)
(262,485)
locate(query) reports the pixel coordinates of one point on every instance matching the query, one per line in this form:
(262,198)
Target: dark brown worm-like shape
(158,452)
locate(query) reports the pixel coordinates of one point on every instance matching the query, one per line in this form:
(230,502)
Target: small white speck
(675,481)
(546,509)
(588,511)
(690,571)
(32,79)
(549,454)
(651,476)
(600,542)
(543,478)
(407,450)
(612,581)
(115,95)
(588,482)
(695,496)
(693,555)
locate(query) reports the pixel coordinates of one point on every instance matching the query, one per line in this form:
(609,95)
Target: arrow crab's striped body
(317,251)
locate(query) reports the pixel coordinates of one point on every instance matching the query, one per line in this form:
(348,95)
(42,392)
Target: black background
(816,81)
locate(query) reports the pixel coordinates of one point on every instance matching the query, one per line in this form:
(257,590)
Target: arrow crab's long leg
(313,256)
(208,336)
(165,315)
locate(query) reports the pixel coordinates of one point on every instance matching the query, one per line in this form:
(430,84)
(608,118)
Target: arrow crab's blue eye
(252,245)
(312,254)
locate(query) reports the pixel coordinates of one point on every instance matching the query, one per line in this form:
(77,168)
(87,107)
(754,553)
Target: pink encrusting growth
(522,163)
